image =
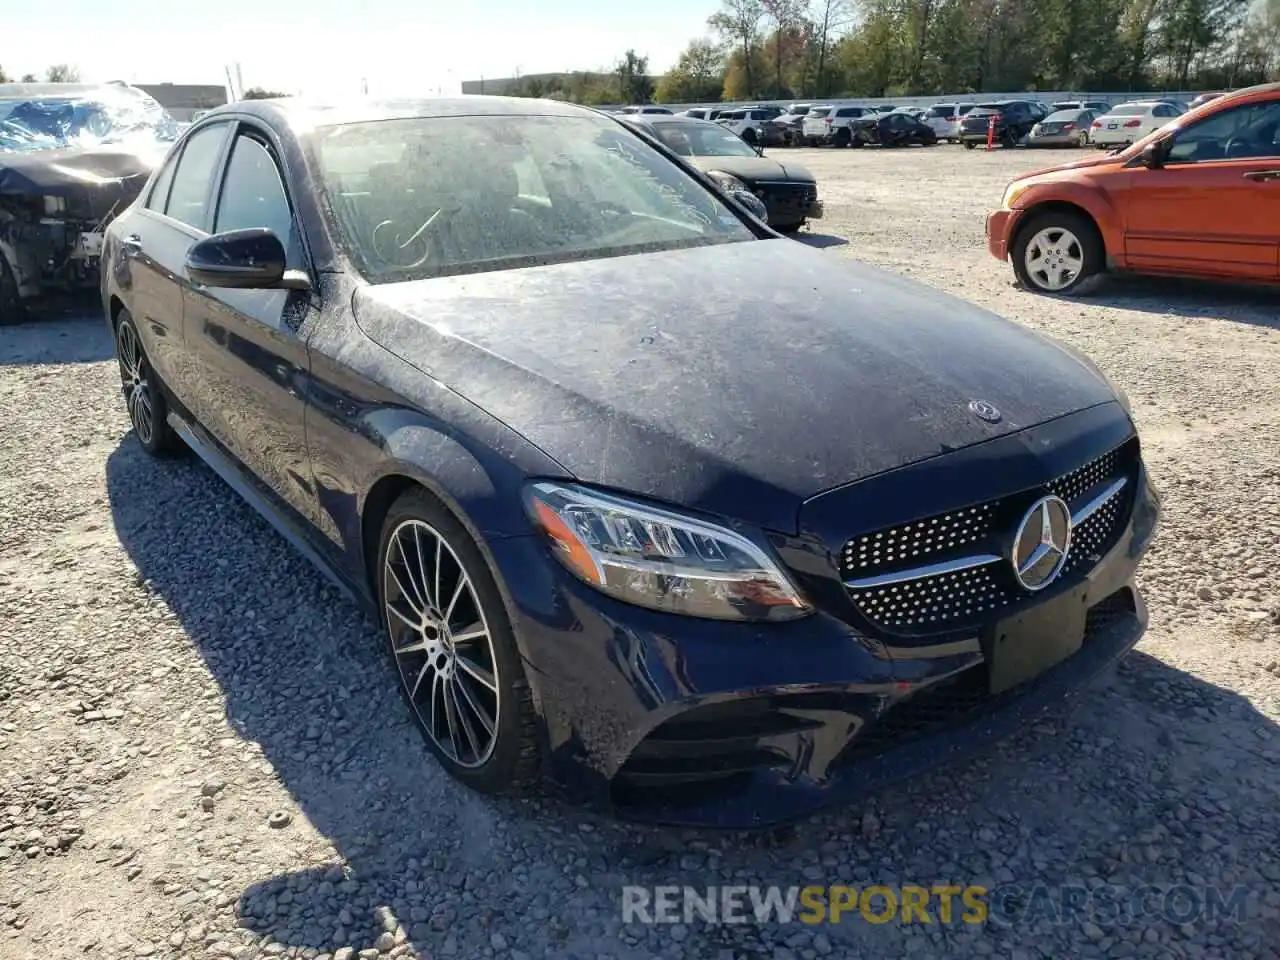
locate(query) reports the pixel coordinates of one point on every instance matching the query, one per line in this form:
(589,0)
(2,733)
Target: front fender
(1100,206)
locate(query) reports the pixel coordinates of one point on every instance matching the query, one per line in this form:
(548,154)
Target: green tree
(62,73)
(259,93)
(697,76)
(28,78)
(786,16)
(829,19)
(738,23)
(634,83)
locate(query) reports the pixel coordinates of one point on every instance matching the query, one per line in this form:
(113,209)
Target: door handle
(132,244)
(1262,175)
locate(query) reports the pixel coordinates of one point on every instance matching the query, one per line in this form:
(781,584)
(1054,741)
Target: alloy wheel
(137,386)
(1054,258)
(442,644)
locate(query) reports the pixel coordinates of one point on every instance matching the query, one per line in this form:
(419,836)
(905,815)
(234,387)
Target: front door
(251,362)
(1213,208)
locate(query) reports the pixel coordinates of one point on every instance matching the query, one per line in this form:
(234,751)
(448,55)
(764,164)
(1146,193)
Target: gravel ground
(202,753)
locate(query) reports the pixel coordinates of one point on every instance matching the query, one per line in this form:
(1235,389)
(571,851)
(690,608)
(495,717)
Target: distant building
(185,100)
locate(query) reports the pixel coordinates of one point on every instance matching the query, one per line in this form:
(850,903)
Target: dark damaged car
(72,156)
(706,558)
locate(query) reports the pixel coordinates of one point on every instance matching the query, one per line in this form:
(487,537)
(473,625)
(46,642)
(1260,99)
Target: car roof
(302,112)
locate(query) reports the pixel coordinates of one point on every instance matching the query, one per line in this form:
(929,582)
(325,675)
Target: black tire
(749,135)
(143,394)
(513,764)
(790,227)
(969,144)
(843,137)
(11,308)
(1085,240)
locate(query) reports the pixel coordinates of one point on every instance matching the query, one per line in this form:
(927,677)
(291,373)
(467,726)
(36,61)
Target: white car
(832,125)
(944,119)
(1130,122)
(754,124)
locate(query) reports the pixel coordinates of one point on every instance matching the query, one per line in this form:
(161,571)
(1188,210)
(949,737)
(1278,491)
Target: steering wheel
(1237,147)
(413,251)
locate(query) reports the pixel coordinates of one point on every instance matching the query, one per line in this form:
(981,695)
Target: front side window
(1244,132)
(449,195)
(253,194)
(189,194)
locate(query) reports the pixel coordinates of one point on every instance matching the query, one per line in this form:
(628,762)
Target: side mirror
(1153,154)
(251,259)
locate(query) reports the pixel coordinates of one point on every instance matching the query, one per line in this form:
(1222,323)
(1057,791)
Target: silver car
(1063,128)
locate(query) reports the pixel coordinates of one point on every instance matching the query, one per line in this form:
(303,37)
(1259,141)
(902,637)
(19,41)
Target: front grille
(966,695)
(785,195)
(951,571)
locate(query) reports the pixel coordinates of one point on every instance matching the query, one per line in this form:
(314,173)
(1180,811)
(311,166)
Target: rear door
(1214,207)
(252,362)
(155,239)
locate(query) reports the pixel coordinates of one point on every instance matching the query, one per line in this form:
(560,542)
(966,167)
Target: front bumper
(678,720)
(1000,227)
(789,203)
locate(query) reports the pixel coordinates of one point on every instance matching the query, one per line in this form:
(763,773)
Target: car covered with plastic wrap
(71,157)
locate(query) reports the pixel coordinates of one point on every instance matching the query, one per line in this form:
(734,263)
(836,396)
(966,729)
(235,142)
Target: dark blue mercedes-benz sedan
(707,559)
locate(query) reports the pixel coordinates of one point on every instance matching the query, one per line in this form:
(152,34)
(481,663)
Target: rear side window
(253,194)
(189,194)
(849,112)
(941,110)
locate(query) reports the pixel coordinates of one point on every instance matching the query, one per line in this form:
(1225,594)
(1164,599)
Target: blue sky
(327,46)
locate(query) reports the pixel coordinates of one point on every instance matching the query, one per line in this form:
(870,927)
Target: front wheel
(969,145)
(452,645)
(1058,253)
(148,410)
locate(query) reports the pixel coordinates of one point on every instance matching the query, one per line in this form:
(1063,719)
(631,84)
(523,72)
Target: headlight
(659,559)
(728,182)
(1011,194)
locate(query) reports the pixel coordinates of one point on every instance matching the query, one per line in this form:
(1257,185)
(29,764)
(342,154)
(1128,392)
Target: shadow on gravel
(1256,305)
(426,862)
(64,330)
(820,241)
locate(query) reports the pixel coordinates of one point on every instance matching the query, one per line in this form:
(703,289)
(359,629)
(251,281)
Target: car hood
(739,379)
(754,169)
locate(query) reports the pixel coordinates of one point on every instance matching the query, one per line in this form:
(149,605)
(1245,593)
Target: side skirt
(206,449)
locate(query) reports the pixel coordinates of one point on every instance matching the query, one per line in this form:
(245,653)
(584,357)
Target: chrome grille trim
(980,560)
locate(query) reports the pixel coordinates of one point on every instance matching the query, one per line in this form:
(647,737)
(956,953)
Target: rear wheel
(969,144)
(148,410)
(453,647)
(11,310)
(1082,138)
(749,136)
(1058,252)
(843,137)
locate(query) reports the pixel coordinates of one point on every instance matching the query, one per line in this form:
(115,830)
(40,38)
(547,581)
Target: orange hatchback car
(1200,197)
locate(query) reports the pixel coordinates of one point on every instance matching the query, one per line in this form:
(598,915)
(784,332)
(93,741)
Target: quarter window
(1239,133)
(189,195)
(160,192)
(252,192)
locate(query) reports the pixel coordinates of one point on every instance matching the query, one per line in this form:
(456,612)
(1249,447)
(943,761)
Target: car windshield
(1064,116)
(797,110)
(819,112)
(115,117)
(1130,110)
(941,110)
(986,110)
(696,140)
(433,196)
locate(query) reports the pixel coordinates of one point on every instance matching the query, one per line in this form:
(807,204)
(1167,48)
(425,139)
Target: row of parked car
(1031,122)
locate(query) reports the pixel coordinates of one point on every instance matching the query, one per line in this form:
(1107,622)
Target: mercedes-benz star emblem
(1041,545)
(984,411)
